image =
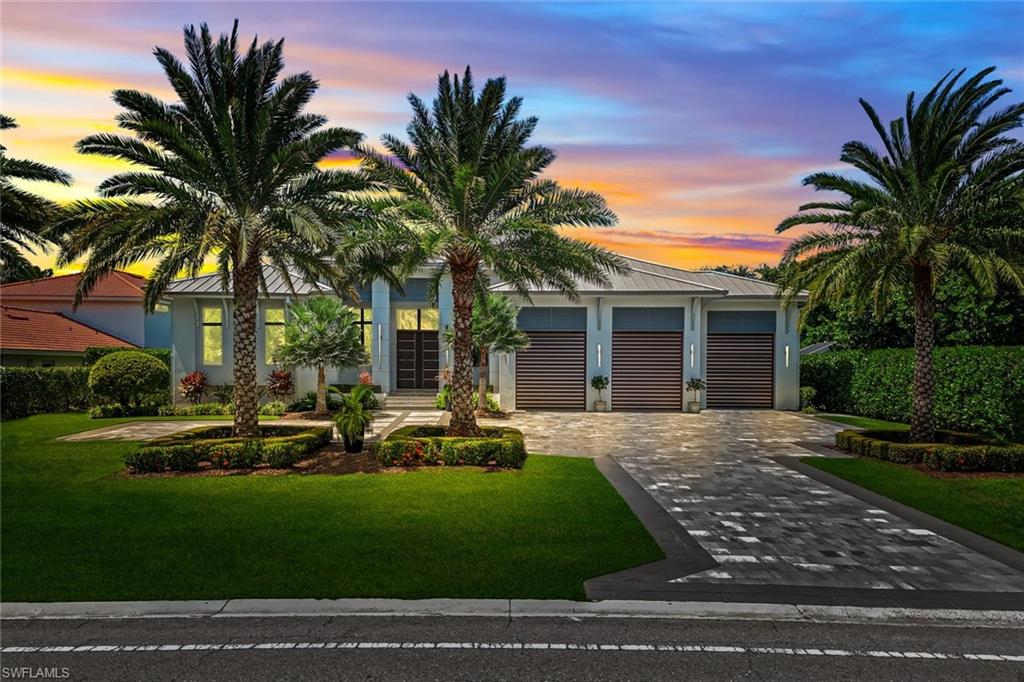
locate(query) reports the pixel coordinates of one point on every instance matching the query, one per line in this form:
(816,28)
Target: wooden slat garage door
(741,370)
(647,370)
(552,372)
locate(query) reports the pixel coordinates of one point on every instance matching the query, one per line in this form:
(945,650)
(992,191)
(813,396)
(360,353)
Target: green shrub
(274,408)
(199,409)
(129,378)
(114,411)
(36,390)
(94,353)
(412,445)
(979,389)
(952,451)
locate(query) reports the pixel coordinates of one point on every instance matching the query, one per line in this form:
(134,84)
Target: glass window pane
(368,339)
(213,345)
(273,337)
(406,319)
(430,319)
(213,315)
(273,315)
(368,314)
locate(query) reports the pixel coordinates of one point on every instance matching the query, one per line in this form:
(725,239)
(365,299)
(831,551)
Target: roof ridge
(676,279)
(120,274)
(32,310)
(697,272)
(38,279)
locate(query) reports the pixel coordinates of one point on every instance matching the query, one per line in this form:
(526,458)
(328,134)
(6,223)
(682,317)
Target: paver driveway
(764,523)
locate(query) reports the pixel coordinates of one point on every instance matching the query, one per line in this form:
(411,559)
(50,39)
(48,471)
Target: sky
(696,121)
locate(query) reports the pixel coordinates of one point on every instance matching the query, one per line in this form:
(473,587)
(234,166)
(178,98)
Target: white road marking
(546,646)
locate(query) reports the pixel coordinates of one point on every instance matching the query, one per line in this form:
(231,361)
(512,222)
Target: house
(43,338)
(649,331)
(114,306)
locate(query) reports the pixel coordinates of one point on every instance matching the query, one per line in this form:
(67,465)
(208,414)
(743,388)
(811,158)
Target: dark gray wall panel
(540,319)
(741,321)
(649,319)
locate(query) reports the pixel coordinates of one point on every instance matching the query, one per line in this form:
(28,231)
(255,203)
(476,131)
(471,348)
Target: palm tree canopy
(321,332)
(229,170)
(946,190)
(24,216)
(468,188)
(495,325)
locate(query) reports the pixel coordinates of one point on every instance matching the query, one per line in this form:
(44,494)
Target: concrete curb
(505,608)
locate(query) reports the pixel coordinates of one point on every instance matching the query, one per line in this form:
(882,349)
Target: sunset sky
(696,121)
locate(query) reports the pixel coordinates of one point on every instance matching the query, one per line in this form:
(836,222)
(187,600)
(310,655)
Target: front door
(417,359)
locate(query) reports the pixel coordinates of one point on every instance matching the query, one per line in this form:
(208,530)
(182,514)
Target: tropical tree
(230,174)
(468,190)
(24,216)
(494,328)
(321,332)
(944,194)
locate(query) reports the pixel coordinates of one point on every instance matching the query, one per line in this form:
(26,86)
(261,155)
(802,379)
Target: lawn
(993,507)
(74,530)
(863,422)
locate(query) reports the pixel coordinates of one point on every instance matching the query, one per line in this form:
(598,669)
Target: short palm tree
(230,173)
(945,192)
(321,332)
(468,189)
(24,216)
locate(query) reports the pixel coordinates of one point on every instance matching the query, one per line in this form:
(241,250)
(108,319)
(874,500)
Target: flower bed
(953,451)
(427,445)
(279,446)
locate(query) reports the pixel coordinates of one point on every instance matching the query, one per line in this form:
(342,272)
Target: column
(380,362)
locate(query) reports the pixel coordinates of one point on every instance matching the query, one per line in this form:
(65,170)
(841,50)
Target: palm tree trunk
(321,390)
(463,421)
(922,423)
(481,394)
(246,289)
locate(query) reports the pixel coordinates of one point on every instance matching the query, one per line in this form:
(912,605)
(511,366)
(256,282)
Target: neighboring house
(114,306)
(41,338)
(650,330)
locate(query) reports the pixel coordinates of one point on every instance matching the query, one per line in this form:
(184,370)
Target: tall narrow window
(213,337)
(364,320)
(273,333)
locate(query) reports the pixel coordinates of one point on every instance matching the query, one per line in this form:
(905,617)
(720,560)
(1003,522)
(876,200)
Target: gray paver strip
(765,523)
(147,430)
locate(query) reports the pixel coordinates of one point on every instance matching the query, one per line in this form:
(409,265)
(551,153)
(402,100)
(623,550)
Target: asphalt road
(464,648)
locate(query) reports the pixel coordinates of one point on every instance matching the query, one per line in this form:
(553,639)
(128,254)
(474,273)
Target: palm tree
(24,216)
(946,193)
(321,332)
(232,175)
(467,187)
(494,328)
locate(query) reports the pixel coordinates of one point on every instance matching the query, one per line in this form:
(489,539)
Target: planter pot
(352,445)
(600,406)
(693,406)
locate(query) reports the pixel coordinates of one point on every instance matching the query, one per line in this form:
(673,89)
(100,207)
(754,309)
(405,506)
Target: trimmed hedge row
(977,388)
(413,445)
(278,446)
(34,390)
(953,452)
(94,353)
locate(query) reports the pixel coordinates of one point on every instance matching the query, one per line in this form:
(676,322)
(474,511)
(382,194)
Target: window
(273,333)
(213,338)
(364,319)
(420,319)
(161,308)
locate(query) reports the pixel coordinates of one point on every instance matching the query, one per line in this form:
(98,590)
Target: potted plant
(599,383)
(695,384)
(354,417)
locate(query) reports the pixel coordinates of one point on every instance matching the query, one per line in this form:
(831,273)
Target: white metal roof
(210,285)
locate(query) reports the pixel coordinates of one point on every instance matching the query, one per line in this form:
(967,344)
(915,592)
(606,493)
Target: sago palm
(24,216)
(230,173)
(946,191)
(468,189)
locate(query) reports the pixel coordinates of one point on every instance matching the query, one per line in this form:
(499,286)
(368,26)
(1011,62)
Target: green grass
(863,422)
(993,507)
(73,530)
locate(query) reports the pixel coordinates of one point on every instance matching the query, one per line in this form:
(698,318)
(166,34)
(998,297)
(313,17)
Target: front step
(411,401)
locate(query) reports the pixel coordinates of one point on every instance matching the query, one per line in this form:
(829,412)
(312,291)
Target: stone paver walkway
(764,523)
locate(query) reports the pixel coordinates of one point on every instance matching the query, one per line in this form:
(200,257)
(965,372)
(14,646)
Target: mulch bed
(313,416)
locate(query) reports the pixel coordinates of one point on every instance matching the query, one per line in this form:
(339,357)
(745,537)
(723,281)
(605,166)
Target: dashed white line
(518,646)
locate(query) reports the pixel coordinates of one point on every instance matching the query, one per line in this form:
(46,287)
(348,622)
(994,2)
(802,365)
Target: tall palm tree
(24,216)
(946,192)
(468,188)
(231,174)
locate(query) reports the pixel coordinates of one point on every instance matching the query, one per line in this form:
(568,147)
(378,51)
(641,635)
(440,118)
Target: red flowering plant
(280,383)
(192,387)
(365,378)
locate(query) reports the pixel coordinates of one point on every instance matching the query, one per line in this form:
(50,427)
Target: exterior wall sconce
(380,343)
(691,356)
(598,355)
(787,356)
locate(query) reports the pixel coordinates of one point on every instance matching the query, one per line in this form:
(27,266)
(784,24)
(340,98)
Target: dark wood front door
(417,359)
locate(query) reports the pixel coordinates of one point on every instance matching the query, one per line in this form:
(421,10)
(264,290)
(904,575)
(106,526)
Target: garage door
(552,372)
(647,370)
(740,370)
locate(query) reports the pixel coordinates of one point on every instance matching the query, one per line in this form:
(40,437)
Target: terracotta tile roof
(42,330)
(117,284)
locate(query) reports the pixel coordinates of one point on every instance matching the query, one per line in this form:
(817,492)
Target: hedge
(278,446)
(413,445)
(34,390)
(978,389)
(953,451)
(94,353)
